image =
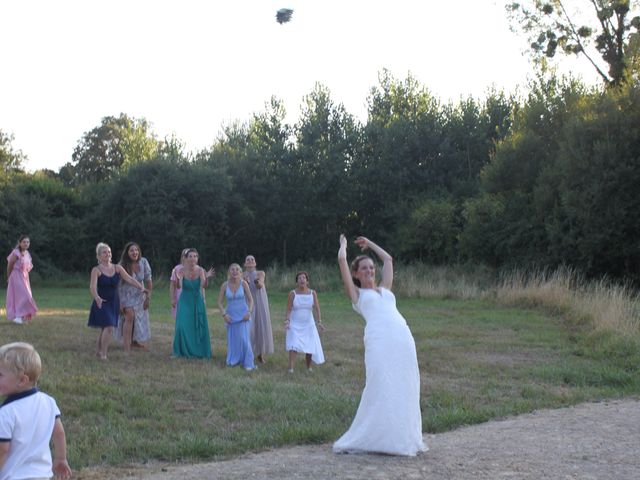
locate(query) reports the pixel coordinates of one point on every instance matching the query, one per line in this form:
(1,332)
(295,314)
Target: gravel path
(588,441)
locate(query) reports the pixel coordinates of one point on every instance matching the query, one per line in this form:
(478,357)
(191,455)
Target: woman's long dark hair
(22,237)
(125,260)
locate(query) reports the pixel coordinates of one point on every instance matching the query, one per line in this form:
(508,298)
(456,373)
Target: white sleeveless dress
(302,334)
(388,419)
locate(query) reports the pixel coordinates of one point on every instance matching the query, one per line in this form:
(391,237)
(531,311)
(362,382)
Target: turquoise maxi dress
(191,338)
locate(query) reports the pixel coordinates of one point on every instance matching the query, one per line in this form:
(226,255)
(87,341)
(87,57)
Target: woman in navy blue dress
(103,286)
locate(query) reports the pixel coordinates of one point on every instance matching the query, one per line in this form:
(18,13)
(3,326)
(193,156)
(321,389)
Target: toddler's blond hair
(21,358)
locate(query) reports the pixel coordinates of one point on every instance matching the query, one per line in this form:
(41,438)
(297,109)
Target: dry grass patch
(601,305)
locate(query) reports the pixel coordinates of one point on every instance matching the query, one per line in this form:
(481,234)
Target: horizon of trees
(545,180)
(542,180)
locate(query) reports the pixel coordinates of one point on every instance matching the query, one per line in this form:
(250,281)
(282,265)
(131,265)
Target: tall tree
(591,28)
(594,221)
(256,157)
(10,159)
(400,158)
(165,205)
(327,139)
(51,214)
(116,144)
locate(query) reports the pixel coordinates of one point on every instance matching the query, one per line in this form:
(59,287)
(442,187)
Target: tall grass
(410,280)
(600,305)
(452,282)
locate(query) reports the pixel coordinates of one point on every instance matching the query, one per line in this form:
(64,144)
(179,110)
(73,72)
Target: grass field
(479,360)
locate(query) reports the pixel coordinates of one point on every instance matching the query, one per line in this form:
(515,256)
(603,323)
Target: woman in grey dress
(261,334)
(133,324)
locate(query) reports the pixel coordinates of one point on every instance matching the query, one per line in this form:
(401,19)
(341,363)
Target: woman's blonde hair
(234,265)
(21,358)
(101,246)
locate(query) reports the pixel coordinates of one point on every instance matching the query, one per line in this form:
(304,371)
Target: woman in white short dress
(388,419)
(302,334)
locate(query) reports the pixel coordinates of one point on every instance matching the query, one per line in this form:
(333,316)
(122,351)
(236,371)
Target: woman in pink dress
(20,304)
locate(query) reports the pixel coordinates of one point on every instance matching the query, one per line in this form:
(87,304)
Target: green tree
(514,177)
(481,238)
(51,214)
(470,131)
(103,152)
(400,158)
(257,158)
(591,28)
(594,219)
(431,232)
(10,159)
(327,139)
(165,206)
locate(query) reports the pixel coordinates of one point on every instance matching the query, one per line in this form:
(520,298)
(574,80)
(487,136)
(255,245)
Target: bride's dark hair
(354,268)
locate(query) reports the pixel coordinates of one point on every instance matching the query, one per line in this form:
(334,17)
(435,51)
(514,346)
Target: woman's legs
(104,341)
(292,359)
(99,343)
(127,328)
(307,359)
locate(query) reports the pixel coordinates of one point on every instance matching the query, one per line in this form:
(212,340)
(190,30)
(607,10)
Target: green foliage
(483,221)
(543,180)
(566,177)
(258,160)
(400,157)
(165,206)
(51,214)
(596,220)
(104,151)
(327,140)
(431,232)
(582,27)
(10,160)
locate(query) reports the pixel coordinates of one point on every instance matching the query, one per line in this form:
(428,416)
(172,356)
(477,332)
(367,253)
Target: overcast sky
(190,66)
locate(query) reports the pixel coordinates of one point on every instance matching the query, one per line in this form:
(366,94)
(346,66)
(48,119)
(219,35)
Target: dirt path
(589,441)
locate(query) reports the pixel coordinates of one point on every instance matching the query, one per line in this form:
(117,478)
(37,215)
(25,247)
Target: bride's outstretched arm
(386,279)
(349,287)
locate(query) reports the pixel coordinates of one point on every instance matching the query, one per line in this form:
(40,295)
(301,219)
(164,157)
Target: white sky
(190,66)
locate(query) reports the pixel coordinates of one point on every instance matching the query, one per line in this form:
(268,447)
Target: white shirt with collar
(27,420)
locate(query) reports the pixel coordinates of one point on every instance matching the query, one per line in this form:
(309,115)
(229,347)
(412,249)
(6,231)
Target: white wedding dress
(388,419)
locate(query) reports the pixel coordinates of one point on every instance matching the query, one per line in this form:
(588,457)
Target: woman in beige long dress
(261,333)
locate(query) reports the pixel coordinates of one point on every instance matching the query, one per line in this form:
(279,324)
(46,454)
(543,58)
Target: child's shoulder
(29,401)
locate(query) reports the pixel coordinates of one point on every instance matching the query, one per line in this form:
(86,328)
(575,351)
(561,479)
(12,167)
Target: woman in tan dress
(261,334)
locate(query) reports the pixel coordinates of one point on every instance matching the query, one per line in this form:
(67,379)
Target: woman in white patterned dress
(133,325)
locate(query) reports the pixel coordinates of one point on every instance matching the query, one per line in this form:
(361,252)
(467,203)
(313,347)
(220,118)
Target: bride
(388,419)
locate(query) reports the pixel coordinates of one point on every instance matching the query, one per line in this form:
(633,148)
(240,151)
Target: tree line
(546,179)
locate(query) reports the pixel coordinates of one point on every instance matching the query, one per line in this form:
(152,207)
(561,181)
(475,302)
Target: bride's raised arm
(349,287)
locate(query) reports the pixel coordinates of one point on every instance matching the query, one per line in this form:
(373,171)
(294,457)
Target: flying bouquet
(284,15)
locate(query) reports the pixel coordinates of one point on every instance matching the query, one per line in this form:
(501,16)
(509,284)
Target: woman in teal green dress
(191,338)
